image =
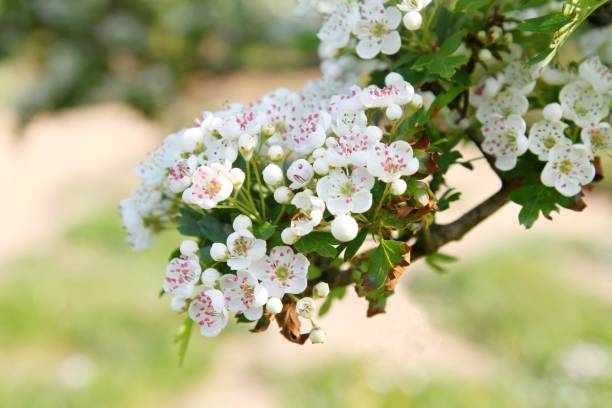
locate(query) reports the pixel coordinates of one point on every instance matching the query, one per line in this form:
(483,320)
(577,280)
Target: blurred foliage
(140,51)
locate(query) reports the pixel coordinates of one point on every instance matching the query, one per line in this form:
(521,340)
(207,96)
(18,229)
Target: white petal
(392,42)
(368,48)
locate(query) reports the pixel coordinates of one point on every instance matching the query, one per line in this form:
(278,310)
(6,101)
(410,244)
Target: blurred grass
(90,295)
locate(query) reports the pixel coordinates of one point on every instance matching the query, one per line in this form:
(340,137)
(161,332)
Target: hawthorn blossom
(597,74)
(390,162)
(485,90)
(179,176)
(244,249)
(519,76)
(300,172)
(598,137)
(582,104)
(210,185)
(208,310)
(244,294)
(308,132)
(377,29)
(152,171)
(352,148)
(505,140)
(344,193)
(336,30)
(280,108)
(505,103)
(347,121)
(568,168)
(283,271)
(182,274)
(310,212)
(546,134)
(138,235)
(396,91)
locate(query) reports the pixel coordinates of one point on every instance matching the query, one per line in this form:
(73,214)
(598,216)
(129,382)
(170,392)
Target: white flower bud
(177,304)
(242,222)
(273,175)
(246,145)
(464,123)
(422,197)
(276,153)
(398,187)
(428,98)
(321,289)
(485,55)
(393,112)
(413,20)
(190,138)
(319,152)
(317,335)
(495,33)
(417,101)
(274,305)
(219,252)
(330,141)
(209,277)
(508,38)
(344,228)
(306,307)
(236,176)
(552,112)
(289,237)
(188,247)
(320,166)
(283,195)
(482,36)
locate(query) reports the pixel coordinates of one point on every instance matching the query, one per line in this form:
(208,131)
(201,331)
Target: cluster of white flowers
(584,100)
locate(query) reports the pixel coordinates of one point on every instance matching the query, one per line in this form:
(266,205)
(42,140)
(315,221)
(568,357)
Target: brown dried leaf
(262,324)
(598,169)
(290,324)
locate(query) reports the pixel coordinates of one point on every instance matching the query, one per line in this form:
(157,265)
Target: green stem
(261,189)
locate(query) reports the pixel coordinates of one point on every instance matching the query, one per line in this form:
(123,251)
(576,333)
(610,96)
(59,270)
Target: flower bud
(413,20)
(272,175)
(417,101)
(398,187)
(320,166)
(485,55)
(495,33)
(274,305)
(321,289)
(317,335)
(428,98)
(219,252)
(246,145)
(276,153)
(305,307)
(422,198)
(508,38)
(344,228)
(482,36)
(188,247)
(283,195)
(464,123)
(177,304)
(209,277)
(289,237)
(190,138)
(242,222)
(552,112)
(236,176)
(393,112)
(319,152)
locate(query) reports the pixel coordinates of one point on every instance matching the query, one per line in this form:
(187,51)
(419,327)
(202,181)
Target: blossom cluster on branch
(281,195)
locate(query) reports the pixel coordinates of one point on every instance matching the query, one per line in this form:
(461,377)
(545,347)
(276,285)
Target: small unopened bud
(495,33)
(236,176)
(246,145)
(275,153)
(283,195)
(485,55)
(320,166)
(344,228)
(242,222)
(274,305)
(209,277)
(412,20)
(398,187)
(319,152)
(306,307)
(482,36)
(417,101)
(317,335)
(219,252)
(394,112)
(272,174)
(289,237)
(188,247)
(178,304)
(552,112)
(321,289)
(508,38)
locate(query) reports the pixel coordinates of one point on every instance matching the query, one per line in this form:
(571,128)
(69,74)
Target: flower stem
(261,188)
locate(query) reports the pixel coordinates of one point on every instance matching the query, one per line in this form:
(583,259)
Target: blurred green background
(523,319)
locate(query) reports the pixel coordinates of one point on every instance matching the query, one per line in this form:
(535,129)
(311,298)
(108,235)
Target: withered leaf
(262,324)
(290,325)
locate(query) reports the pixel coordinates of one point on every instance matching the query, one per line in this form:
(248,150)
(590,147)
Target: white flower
(412,20)
(376,31)
(345,193)
(244,294)
(353,148)
(348,121)
(597,74)
(283,271)
(519,76)
(568,168)
(390,162)
(310,212)
(209,277)
(337,28)
(242,222)
(505,103)
(244,249)
(321,289)
(306,307)
(210,185)
(544,135)
(413,5)
(505,139)
(597,137)
(188,247)
(182,274)
(344,228)
(299,173)
(279,107)
(398,187)
(317,335)
(582,104)
(139,236)
(274,305)
(209,312)
(397,91)
(179,177)
(219,252)
(272,175)
(308,132)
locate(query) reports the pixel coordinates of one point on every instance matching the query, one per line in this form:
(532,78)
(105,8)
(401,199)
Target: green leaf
(354,245)
(320,242)
(444,99)
(545,24)
(451,44)
(194,223)
(466,5)
(437,259)
(264,231)
(182,338)
(334,294)
(535,199)
(384,257)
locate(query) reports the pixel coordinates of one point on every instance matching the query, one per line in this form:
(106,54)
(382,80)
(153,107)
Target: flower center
(346,189)
(511,138)
(597,139)
(565,166)
(550,142)
(242,246)
(379,30)
(212,187)
(282,273)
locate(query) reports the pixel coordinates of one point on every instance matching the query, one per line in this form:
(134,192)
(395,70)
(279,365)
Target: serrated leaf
(320,242)
(444,99)
(194,223)
(545,24)
(384,257)
(535,199)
